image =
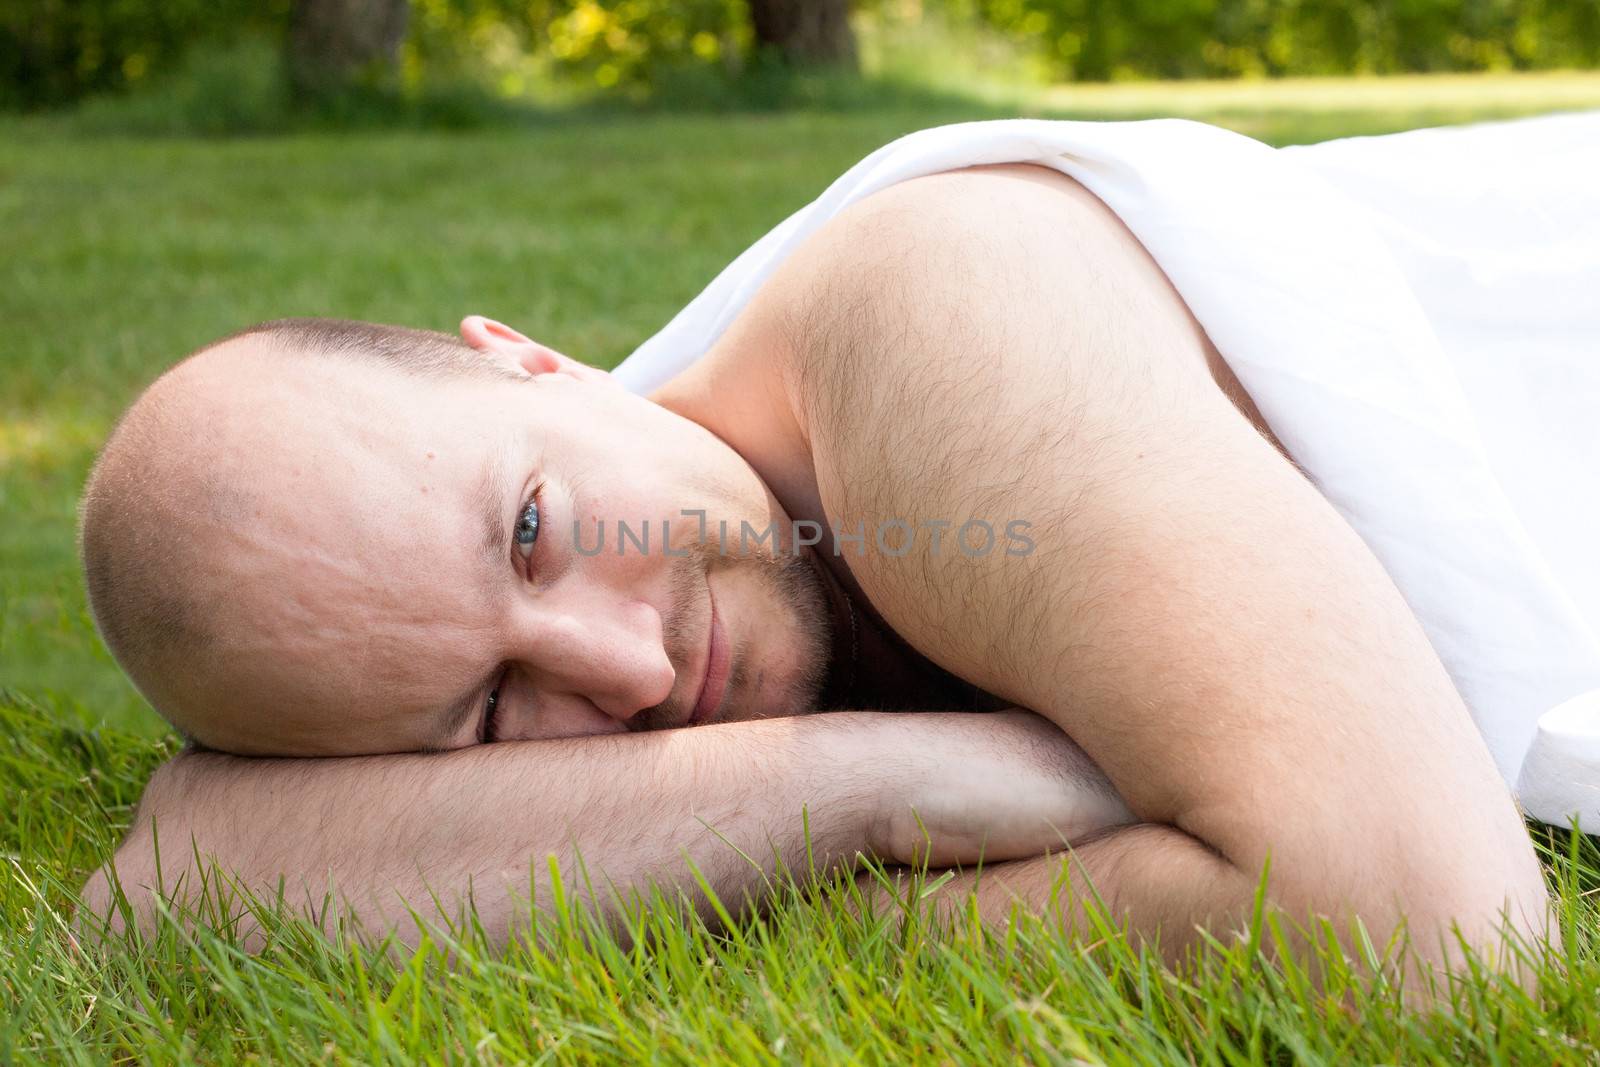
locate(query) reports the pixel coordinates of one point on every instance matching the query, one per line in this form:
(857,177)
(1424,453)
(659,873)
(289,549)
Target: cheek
(781,644)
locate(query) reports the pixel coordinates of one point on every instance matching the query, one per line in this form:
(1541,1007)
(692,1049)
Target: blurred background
(173,170)
(232,66)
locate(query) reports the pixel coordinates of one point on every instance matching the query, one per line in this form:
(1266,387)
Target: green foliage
(633,42)
(577,49)
(239,87)
(461,55)
(54,51)
(1097,40)
(227,87)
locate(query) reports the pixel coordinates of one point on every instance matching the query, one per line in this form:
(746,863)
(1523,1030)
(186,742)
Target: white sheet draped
(1417,317)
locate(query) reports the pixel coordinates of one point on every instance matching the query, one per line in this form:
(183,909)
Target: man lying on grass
(1037,488)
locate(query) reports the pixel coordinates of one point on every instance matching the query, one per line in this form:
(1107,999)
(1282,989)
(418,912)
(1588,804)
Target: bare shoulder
(928,313)
(994,345)
(891,243)
(975,251)
(964,204)
(996,210)
(971,345)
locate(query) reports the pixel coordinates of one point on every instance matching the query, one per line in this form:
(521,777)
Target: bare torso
(1197,617)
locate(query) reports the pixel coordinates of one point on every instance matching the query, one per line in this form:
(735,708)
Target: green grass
(589,231)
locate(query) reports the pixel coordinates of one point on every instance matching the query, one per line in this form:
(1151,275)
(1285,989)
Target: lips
(715,681)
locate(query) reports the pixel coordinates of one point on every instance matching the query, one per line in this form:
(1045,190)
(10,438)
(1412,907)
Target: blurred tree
(632,47)
(334,43)
(53,52)
(805,32)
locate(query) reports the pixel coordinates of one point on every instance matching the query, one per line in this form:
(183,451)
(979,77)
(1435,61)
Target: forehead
(356,440)
(366,600)
(384,463)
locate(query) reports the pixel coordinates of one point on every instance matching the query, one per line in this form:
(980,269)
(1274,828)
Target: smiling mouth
(715,682)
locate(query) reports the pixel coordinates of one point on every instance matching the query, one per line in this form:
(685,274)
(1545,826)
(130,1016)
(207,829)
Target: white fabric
(1417,317)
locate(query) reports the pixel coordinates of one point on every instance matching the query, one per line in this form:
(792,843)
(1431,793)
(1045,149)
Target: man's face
(428,565)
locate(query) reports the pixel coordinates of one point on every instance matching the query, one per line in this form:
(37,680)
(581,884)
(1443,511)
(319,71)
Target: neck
(738,391)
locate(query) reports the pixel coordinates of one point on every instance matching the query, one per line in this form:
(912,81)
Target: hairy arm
(382,833)
(993,343)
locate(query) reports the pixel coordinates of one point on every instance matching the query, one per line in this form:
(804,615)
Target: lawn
(588,232)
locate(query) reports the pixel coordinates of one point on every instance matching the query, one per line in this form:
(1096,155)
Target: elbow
(127,886)
(1496,925)
(1483,894)
(116,895)
(1449,913)
(95,915)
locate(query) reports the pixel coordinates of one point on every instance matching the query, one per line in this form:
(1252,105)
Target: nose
(594,660)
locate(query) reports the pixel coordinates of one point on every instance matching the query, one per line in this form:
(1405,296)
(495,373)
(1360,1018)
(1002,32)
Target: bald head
(177,483)
(333,539)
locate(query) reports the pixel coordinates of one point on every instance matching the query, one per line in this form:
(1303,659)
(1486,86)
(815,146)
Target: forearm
(1158,880)
(381,833)
(1166,886)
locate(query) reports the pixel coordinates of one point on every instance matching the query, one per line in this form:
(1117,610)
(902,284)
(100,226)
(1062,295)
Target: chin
(778,671)
(791,683)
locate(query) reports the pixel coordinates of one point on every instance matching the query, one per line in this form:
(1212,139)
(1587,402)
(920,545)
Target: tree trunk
(808,33)
(334,42)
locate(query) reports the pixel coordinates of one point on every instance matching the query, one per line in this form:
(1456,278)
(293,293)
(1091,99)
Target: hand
(1005,786)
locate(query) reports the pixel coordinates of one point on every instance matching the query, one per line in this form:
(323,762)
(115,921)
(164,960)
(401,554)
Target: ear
(496,339)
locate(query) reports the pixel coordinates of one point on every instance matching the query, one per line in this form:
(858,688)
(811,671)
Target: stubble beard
(792,591)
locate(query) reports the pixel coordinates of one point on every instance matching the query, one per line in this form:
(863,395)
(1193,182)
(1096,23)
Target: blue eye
(490,707)
(527,529)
